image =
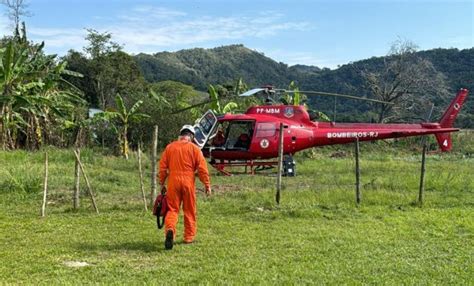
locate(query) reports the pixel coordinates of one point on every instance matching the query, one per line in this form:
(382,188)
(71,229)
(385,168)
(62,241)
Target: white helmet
(188,127)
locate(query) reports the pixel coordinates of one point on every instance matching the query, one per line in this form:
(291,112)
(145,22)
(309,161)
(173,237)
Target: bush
(20,180)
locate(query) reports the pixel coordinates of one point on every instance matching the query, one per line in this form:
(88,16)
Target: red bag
(160,208)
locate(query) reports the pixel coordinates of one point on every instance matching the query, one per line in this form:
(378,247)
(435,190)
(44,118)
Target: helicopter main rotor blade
(193,106)
(336,94)
(252,92)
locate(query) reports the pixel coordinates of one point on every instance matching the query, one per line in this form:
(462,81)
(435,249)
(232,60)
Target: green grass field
(316,236)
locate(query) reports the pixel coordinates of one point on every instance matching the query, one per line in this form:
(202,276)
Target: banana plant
(293,98)
(240,86)
(124,118)
(215,105)
(31,91)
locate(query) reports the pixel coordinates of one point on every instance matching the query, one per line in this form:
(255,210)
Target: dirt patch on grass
(222,188)
(339,154)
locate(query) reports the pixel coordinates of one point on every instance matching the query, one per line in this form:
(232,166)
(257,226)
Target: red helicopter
(251,139)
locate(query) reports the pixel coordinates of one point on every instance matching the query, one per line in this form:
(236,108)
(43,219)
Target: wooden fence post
(77,180)
(141,176)
(422,177)
(280,164)
(357,171)
(87,182)
(153,164)
(45,184)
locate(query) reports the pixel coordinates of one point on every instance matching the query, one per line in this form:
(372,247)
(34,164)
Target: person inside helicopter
(219,139)
(243,141)
(240,135)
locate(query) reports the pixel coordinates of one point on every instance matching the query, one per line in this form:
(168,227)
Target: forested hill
(456,65)
(200,67)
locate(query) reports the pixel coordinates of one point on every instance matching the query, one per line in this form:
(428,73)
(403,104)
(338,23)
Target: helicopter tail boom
(447,120)
(452,111)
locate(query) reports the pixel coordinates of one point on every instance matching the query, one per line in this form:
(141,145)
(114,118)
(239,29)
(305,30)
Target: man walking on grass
(179,162)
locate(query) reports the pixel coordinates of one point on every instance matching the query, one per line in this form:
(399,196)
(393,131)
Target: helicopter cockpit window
(204,128)
(266,129)
(239,135)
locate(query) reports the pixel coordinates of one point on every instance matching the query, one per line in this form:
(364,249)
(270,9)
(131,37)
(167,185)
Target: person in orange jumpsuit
(179,162)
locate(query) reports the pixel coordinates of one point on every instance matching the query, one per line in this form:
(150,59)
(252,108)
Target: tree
(16,9)
(406,80)
(99,48)
(100,44)
(124,117)
(107,70)
(81,64)
(160,102)
(35,99)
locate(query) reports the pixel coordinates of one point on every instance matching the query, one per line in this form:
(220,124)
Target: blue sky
(321,33)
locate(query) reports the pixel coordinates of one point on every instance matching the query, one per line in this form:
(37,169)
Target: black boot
(169,240)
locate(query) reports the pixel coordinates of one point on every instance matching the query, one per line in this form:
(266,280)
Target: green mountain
(199,67)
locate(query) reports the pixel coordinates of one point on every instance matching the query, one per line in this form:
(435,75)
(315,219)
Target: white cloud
(152,29)
(58,40)
(303,58)
(158,12)
(141,31)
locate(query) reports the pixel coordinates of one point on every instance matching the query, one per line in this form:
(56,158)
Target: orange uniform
(180,160)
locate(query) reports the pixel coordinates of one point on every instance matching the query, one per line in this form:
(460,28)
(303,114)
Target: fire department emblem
(264,143)
(289,112)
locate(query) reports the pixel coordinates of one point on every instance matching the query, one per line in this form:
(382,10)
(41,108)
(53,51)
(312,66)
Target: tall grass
(317,235)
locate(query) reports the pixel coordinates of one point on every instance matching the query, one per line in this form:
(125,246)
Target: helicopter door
(204,128)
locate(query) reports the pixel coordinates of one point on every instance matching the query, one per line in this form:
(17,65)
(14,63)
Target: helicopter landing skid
(250,166)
